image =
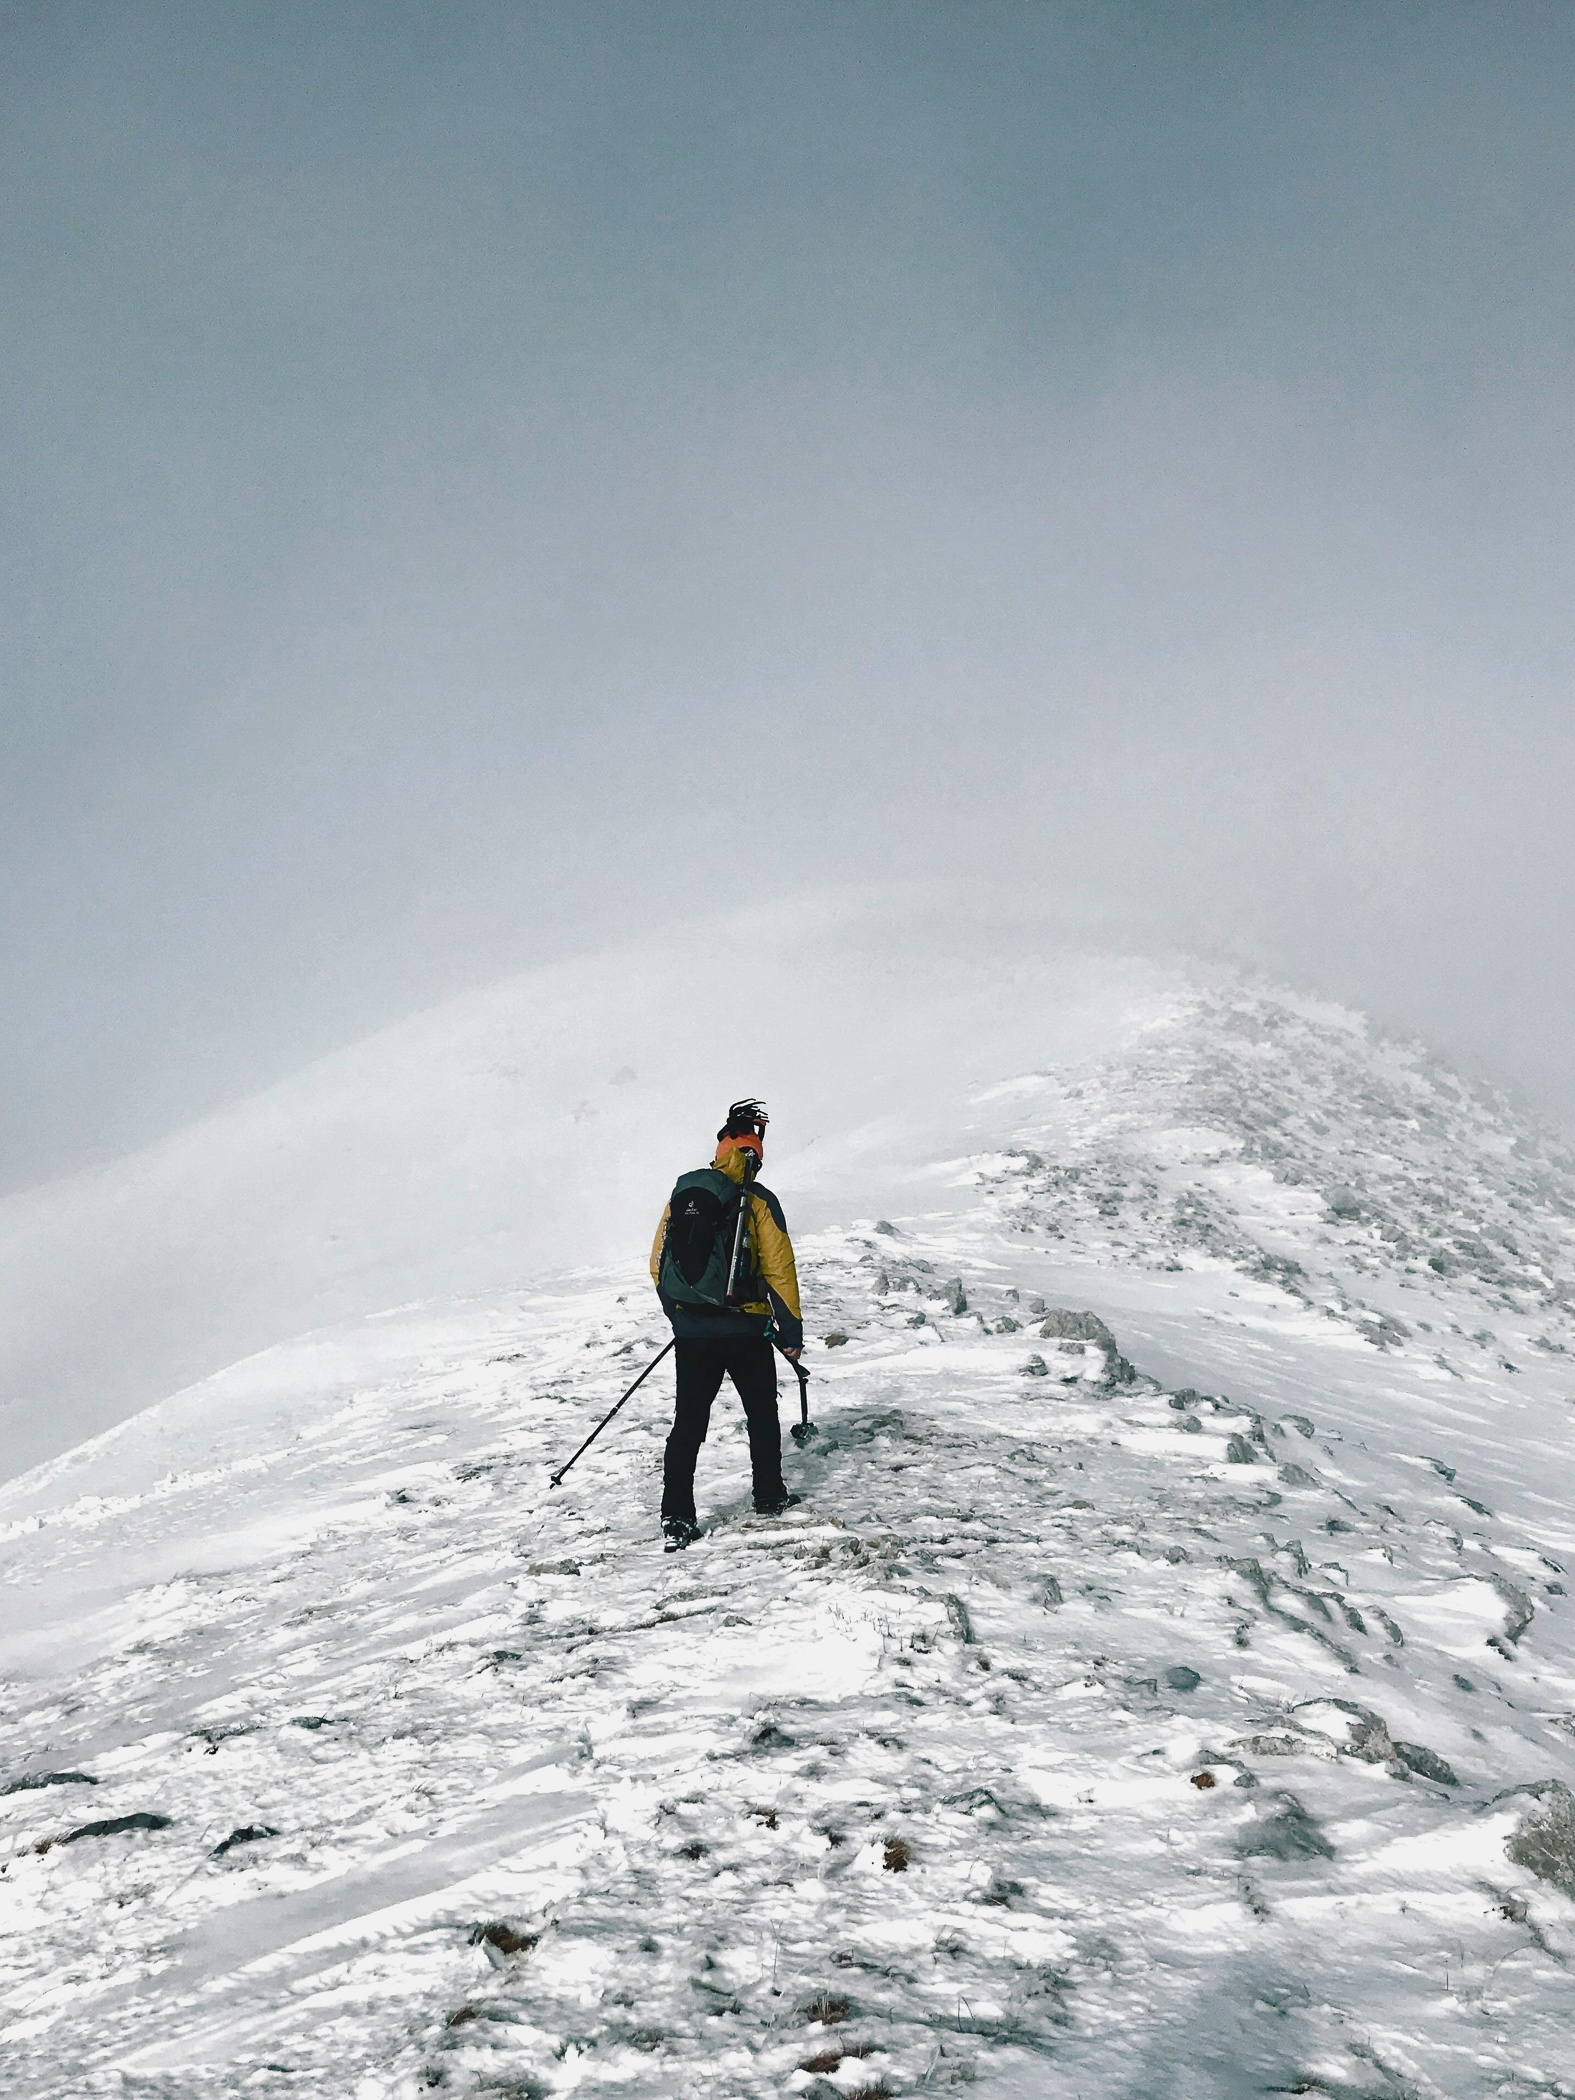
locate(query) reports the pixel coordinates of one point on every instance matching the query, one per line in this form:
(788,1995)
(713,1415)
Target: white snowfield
(1165,1689)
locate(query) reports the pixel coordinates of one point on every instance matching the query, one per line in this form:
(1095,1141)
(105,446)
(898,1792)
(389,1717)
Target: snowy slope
(1190,1717)
(525,1129)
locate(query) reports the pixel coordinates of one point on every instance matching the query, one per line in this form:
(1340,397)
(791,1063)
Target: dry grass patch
(503,1937)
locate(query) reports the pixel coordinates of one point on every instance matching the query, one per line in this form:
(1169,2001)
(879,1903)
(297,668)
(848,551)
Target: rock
(1181,1677)
(1545,1840)
(1279,1269)
(1383,1331)
(1290,1833)
(956,1296)
(1356,1730)
(886,1226)
(1425,1763)
(1239,1452)
(37,1779)
(1077,1327)
(1294,1476)
(1050,1593)
(112,1826)
(248,1834)
(1521,1610)
(1065,1326)
(836,1339)
(1036,1367)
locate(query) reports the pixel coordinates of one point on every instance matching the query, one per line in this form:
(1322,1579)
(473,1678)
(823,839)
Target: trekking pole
(735,1266)
(557,1477)
(804,1428)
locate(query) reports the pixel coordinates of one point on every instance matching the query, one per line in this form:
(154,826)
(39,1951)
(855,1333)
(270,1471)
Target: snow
(524,1130)
(1081,1732)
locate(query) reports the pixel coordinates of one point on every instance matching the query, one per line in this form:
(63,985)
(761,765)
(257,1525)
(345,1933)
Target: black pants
(748,1360)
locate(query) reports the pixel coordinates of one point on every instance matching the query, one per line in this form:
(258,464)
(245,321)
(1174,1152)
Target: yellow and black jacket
(778,1306)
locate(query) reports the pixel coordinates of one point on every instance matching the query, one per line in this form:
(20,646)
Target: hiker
(720,1330)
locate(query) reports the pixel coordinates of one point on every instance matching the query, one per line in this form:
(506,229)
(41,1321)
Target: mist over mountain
(487,482)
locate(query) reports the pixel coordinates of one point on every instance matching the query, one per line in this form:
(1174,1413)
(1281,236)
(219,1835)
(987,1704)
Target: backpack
(698,1250)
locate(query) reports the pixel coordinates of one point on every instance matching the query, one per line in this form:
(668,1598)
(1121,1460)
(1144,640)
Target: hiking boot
(777,1504)
(677,1533)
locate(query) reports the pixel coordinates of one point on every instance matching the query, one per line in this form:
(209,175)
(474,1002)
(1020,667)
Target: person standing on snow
(723,1267)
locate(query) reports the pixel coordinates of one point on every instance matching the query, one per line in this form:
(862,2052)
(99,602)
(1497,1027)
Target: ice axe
(803,1428)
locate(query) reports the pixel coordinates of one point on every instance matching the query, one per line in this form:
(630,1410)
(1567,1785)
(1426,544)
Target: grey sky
(478,480)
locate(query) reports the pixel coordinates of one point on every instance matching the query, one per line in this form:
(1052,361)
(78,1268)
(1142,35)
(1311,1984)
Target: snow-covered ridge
(1167,1685)
(1402,1163)
(528,1128)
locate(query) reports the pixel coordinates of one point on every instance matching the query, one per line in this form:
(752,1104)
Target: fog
(483,480)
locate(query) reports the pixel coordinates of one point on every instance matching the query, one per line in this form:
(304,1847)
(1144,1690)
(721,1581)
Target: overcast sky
(479,480)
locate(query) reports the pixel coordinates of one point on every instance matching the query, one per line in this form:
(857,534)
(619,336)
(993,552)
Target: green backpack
(698,1250)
